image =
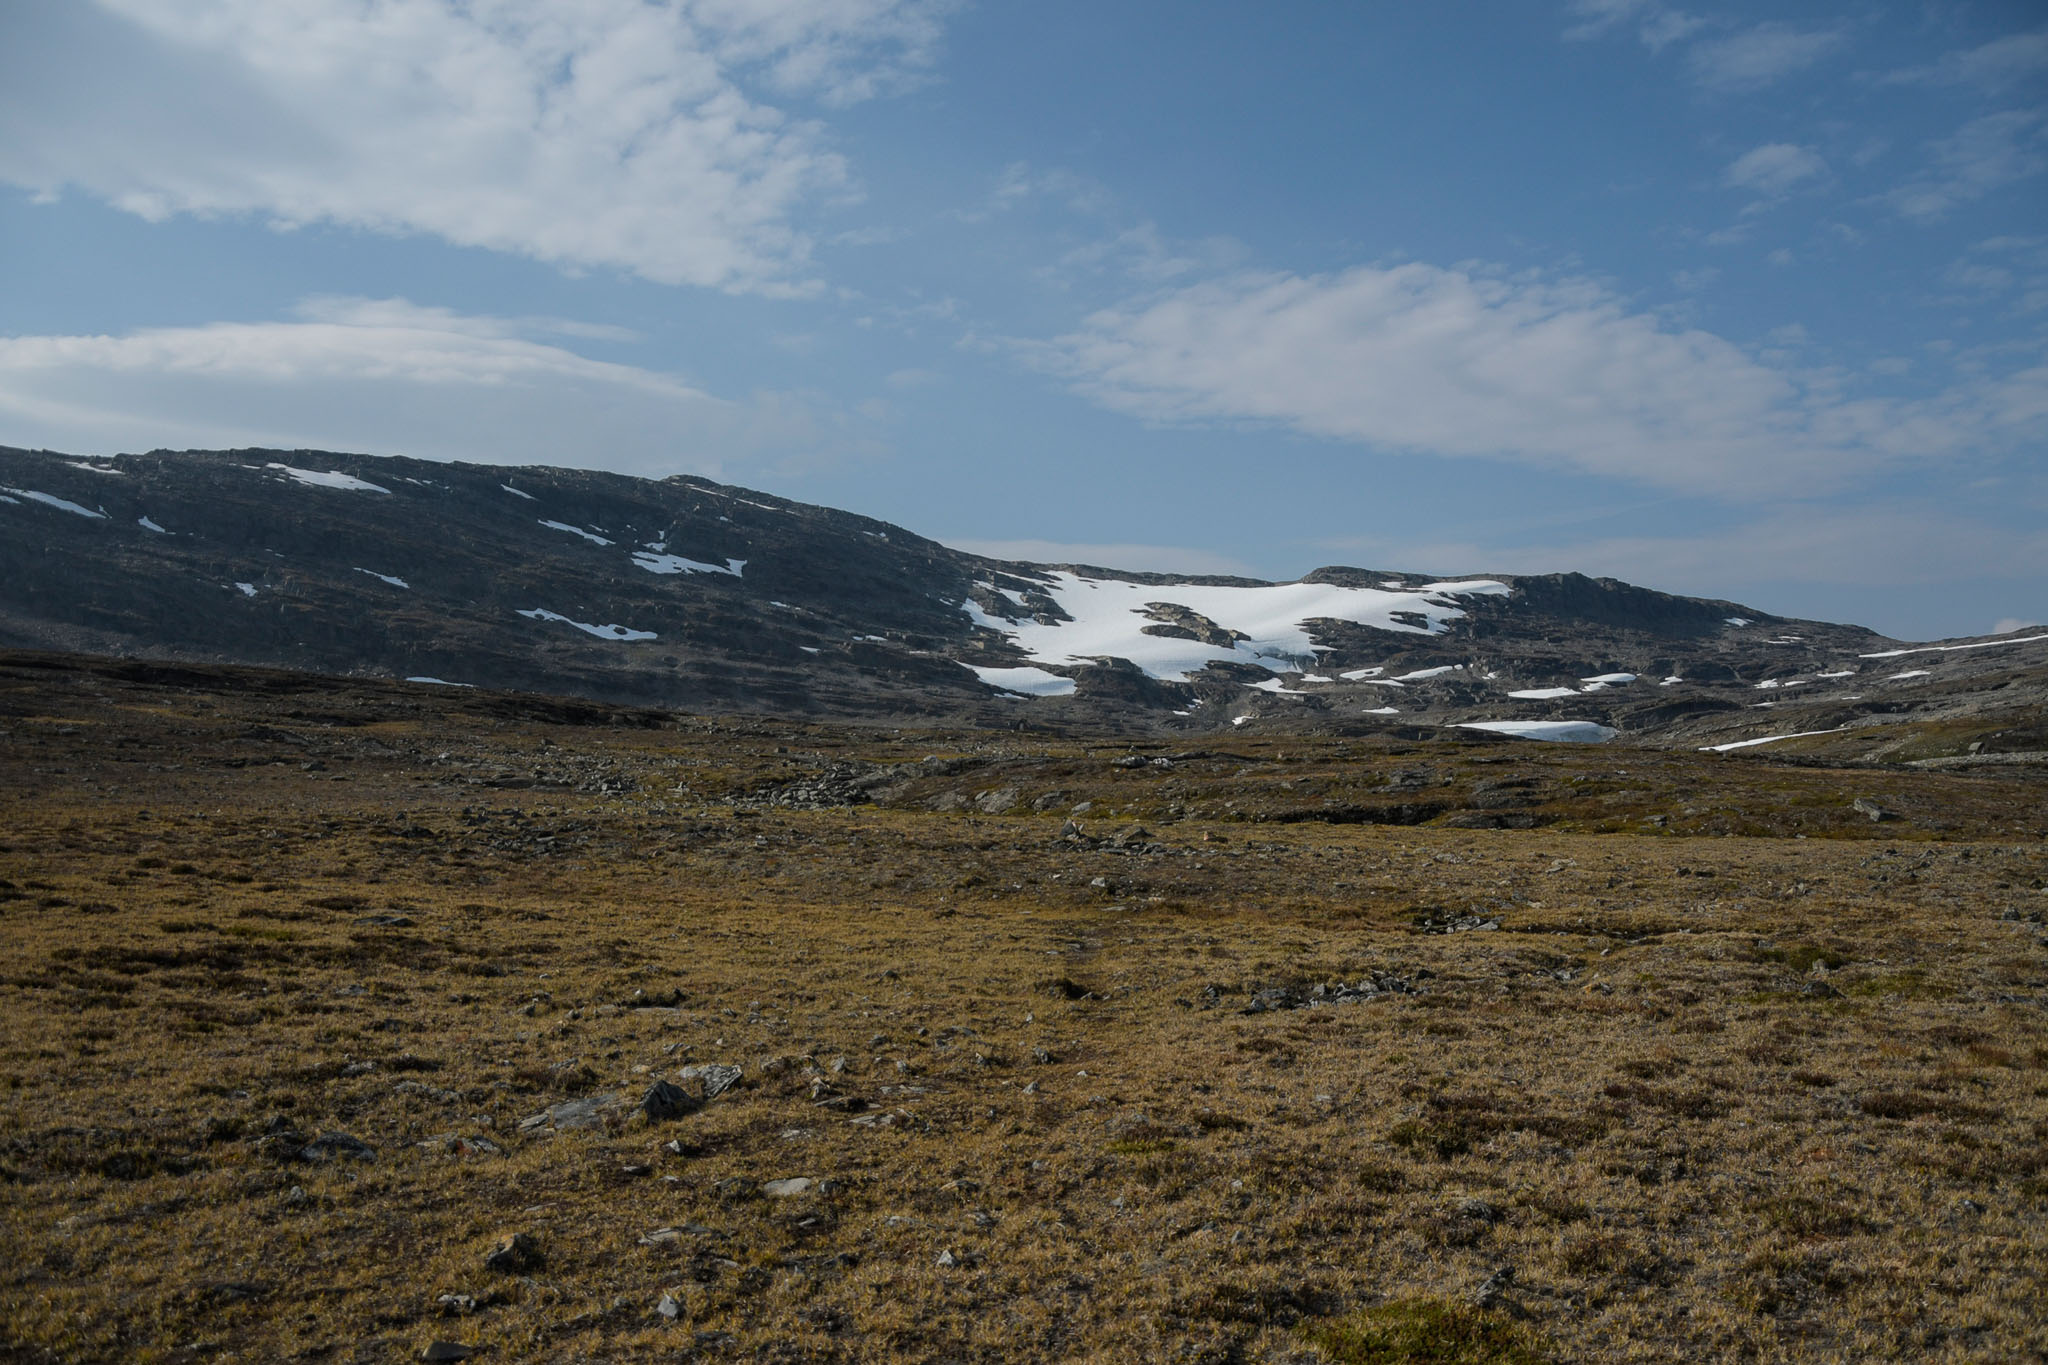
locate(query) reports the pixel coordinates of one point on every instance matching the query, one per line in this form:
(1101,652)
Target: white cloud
(1561,374)
(393,378)
(1132,558)
(1992,67)
(1758,56)
(1657,25)
(1984,155)
(612,133)
(1774,168)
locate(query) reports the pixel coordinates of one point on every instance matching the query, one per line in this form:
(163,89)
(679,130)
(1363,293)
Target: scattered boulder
(513,1254)
(665,1101)
(715,1078)
(1863,805)
(590,1111)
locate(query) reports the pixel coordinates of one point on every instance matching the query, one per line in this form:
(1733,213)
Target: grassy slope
(1710,1097)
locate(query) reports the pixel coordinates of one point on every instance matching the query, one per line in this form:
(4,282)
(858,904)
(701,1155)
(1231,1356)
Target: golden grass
(1709,1097)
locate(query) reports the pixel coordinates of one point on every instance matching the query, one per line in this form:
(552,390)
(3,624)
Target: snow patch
(327,478)
(1910,673)
(1945,649)
(1554,731)
(94,468)
(517,494)
(438,682)
(601,632)
(1108,619)
(1767,739)
(385,577)
(1544,693)
(575,531)
(1610,679)
(658,563)
(146,524)
(1421,673)
(1357,674)
(52,500)
(1032,682)
(1845,673)
(1380,711)
(1740,621)
(248,589)
(1672,681)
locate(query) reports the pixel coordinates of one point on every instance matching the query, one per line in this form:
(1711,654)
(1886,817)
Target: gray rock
(590,1111)
(715,1077)
(665,1101)
(447,1350)
(789,1187)
(668,1307)
(514,1252)
(1863,805)
(996,801)
(337,1146)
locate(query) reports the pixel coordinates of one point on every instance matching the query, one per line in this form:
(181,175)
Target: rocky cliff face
(694,595)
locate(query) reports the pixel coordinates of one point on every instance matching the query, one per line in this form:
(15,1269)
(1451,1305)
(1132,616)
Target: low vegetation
(327,1012)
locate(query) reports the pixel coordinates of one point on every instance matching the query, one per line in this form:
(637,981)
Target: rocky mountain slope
(690,594)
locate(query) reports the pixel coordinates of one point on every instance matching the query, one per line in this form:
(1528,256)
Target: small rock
(668,1307)
(514,1252)
(947,1260)
(715,1077)
(1863,805)
(337,1146)
(665,1101)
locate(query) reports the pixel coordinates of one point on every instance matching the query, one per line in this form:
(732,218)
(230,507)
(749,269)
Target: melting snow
(248,589)
(1671,681)
(1740,621)
(439,682)
(1544,693)
(575,531)
(808,649)
(1109,619)
(1910,673)
(1357,673)
(1557,731)
(146,524)
(1380,711)
(1767,739)
(1845,673)
(394,582)
(655,563)
(1035,682)
(1608,679)
(328,478)
(601,632)
(517,494)
(12,502)
(1422,673)
(1942,649)
(94,468)
(52,500)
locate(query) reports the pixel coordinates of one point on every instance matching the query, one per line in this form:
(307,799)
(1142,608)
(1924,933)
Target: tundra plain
(331,1010)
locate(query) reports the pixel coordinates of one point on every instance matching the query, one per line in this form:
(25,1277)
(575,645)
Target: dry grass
(1708,1097)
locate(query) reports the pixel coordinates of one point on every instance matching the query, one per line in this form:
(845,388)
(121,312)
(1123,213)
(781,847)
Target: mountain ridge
(695,595)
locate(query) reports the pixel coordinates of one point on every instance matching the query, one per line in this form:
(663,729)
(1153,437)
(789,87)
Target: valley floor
(1290,1049)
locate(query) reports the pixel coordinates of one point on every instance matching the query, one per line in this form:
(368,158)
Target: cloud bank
(390,377)
(605,133)
(1459,362)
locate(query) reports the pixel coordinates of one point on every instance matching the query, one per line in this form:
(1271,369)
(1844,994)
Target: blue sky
(1737,300)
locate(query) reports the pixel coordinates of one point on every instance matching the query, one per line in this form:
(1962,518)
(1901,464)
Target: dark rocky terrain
(692,595)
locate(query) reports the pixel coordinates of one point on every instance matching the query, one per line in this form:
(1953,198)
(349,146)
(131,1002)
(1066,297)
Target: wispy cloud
(1992,67)
(392,377)
(610,133)
(1557,373)
(1984,155)
(1658,25)
(1759,56)
(1774,168)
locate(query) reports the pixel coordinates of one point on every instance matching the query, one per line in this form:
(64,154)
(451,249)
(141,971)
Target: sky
(1734,300)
